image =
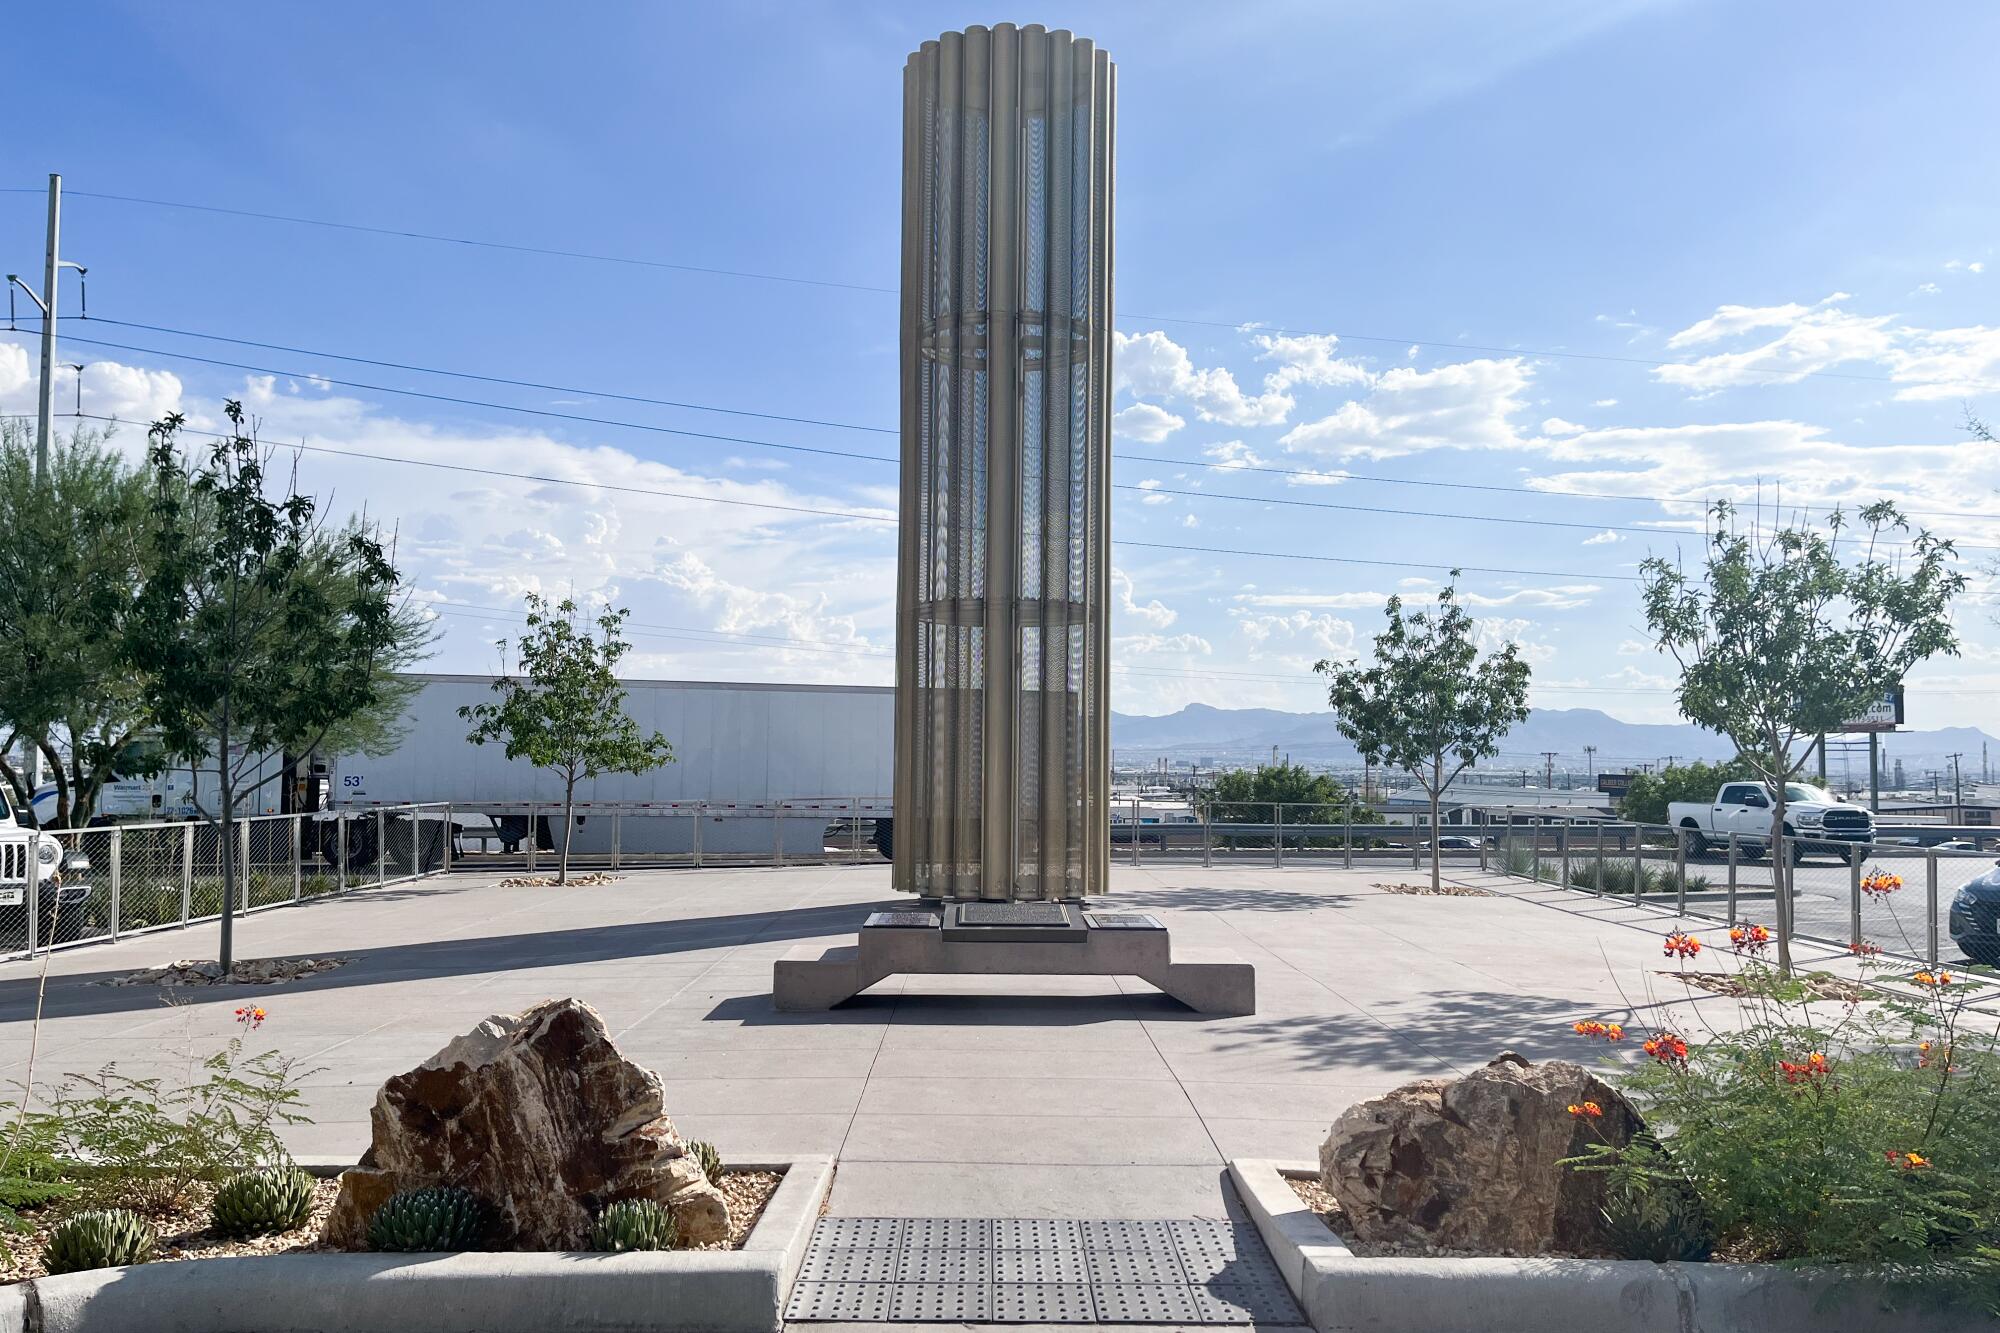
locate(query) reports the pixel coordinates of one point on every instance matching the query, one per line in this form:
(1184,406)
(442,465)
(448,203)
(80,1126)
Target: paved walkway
(1112,1100)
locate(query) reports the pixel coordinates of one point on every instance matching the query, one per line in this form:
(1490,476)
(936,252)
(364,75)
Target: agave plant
(101,1238)
(633,1224)
(263,1203)
(439,1217)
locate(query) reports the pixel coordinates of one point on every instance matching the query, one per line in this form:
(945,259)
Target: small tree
(72,553)
(256,628)
(1252,796)
(566,710)
(1430,704)
(1646,800)
(1785,634)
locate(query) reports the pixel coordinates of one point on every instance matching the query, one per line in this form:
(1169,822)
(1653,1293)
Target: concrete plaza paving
(1115,1101)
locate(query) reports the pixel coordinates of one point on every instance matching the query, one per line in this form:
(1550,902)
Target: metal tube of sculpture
(1002,704)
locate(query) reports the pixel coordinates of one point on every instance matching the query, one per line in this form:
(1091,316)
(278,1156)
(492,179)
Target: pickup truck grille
(14,857)
(1848,821)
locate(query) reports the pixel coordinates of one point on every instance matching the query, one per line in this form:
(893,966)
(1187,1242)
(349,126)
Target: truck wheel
(1697,844)
(885,838)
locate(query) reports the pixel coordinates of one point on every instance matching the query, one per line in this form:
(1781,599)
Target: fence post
(187,872)
(1135,830)
(340,852)
(381,850)
(1732,878)
(1562,845)
(777,833)
(1638,868)
(617,834)
(1207,837)
(1278,834)
(1680,874)
(1854,897)
(534,837)
(1416,856)
(117,877)
(1600,858)
(450,836)
(298,857)
(1930,905)
(854,831)
(700,810)
(1347,856)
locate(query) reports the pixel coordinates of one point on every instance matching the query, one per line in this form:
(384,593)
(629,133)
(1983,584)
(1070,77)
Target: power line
(837,453)
(544,478)
(794,280)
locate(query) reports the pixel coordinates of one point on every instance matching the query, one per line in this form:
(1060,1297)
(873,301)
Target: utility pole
(1590,761)
(1957,809)
(46,302)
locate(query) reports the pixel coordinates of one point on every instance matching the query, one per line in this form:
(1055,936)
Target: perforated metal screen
(1002,721)
(1038,1271)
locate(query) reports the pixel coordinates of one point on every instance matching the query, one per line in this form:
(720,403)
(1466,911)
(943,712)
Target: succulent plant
(704,1152)
(262,1203)
(102,1238)
(439,1217)
(1664,1223)
(633,1224)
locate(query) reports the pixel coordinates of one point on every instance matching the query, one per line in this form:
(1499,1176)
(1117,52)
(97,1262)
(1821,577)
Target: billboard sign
(1886,714)
(1614,784)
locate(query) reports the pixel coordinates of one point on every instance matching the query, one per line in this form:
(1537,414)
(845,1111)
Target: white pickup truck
(1819,821)
(29,856)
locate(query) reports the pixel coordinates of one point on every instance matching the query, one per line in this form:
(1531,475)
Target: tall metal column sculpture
(1002,705)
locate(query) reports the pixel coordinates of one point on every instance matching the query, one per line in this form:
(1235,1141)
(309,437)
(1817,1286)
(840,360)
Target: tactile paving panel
(1122,921)
(1038,1271)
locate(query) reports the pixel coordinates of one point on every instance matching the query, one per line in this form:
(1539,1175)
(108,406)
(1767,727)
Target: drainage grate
(1038,1271)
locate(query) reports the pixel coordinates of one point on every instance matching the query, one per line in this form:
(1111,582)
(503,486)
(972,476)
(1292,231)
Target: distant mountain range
(1245,735)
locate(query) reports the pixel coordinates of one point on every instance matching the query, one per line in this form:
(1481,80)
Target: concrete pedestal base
(1209,981)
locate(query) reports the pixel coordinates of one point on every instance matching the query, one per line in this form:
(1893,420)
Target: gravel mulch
(1818,985)
(589,881)
(1426,891)
(208,972)
(1314,1196)
(184,1234)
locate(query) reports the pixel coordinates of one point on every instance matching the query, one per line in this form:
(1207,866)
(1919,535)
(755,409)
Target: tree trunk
(1781,877)
(569,823)
(62,819)
(1437,780)
(227,948)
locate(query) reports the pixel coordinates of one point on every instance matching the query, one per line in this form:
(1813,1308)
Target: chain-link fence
(1281,833)
(125,878)
(1896,895)
(612,836)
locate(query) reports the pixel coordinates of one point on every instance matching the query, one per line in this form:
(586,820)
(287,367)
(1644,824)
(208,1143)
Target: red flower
(1809,1070)
(1880,883)
(1590,1027)
(250,1016)
(1586,1110)
(1909,1161)
(1863,949)
(1749,939)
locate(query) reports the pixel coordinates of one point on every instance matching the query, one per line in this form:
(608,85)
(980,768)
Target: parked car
(1975,919)
(1815,821)
(1457,842)
(28,855)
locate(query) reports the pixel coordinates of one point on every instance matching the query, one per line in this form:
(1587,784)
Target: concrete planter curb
(702,1291)
(1342,1293)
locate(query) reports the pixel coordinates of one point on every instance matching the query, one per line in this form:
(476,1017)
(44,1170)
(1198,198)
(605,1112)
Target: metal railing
(1838,894)
(606,835)
(126,879)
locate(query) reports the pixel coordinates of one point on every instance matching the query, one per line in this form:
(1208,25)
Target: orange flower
(1590,1027)
(1667,1048)
(1863,949)
(1811,1069)
(1909,1161)
(250,1016)
(1880,883)
(1680,944)
(1749,939)
(1929,1054)
(1932,978)
(1586,1110)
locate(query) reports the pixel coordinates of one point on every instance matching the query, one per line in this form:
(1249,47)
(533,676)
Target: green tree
(72,548)
(257,627)
(1429,704)
(1253,795)
(565,712)
(1646,800)
(1788,631)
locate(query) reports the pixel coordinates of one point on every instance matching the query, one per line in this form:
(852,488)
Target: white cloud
(1605,402)
(1927,363)
(1604,538)
(110,388)
(1926,289)
(1974,266)
(1557,426)
(1151,486)
(1494,633)
(1154,612)
(1152,365)
(1561,597)
(1190,521)
(1465,405)
(1144,423)
(1284,636)
(1307,359)
(1633,648)
(1153,645)
(1235,453)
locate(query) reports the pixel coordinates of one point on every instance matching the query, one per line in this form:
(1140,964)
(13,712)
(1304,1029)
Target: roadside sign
(1614,784)
(1886,714)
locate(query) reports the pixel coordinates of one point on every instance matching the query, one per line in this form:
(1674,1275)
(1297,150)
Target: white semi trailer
(737,746)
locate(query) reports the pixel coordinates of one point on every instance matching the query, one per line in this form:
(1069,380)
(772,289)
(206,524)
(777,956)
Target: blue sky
(1386,244)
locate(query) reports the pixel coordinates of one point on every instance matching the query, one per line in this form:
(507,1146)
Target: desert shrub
(705,1153)
(1827,1133)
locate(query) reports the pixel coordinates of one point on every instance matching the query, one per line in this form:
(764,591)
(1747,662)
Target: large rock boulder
(540,1115)
(1472,1163)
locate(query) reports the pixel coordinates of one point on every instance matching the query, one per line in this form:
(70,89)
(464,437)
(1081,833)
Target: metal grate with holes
(1038,1271)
